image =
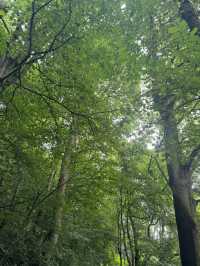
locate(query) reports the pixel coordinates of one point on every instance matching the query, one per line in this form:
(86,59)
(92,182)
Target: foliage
(93,70)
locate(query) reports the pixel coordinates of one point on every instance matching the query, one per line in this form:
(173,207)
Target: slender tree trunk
(123,230)
(130,240)
(135,240)
(119,236)
(180,183)
(63,180)
(64,177)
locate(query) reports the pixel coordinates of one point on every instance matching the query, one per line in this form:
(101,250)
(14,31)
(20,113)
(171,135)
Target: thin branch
(161,170)
(180,107)
(44,5)
(5,25)
(31,57)
(53,100)
(195,152)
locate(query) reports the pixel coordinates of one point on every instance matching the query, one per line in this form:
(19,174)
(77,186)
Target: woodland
(99,132)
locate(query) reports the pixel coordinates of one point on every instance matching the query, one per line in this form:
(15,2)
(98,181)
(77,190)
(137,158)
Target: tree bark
(190,15)
(135,240)
(62,182)
(119,235)
(63,179)
(7,74)
(180,175)
(130,240)
(180,182)
(122,220)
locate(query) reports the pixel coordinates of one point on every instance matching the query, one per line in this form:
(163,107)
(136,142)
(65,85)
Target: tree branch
(189,14)
(30,57)
(5,25)
(161,170)
(52,99)
(195,152)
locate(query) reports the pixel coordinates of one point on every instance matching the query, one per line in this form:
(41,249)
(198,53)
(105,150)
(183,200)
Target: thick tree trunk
(187,227)
(179,175)
(180,183)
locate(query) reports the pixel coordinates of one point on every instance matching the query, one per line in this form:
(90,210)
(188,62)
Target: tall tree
(168,92)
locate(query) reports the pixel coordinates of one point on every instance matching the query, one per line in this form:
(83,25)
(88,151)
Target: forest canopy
(99,135)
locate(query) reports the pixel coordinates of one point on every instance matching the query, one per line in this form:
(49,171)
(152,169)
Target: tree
(99,133)
(166,45)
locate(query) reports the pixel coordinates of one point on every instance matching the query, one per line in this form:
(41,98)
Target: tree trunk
(187,227)
(130,240)
(122,220)
(180,182)
(63,180)
(64,177)
(119,235)
(135,240)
